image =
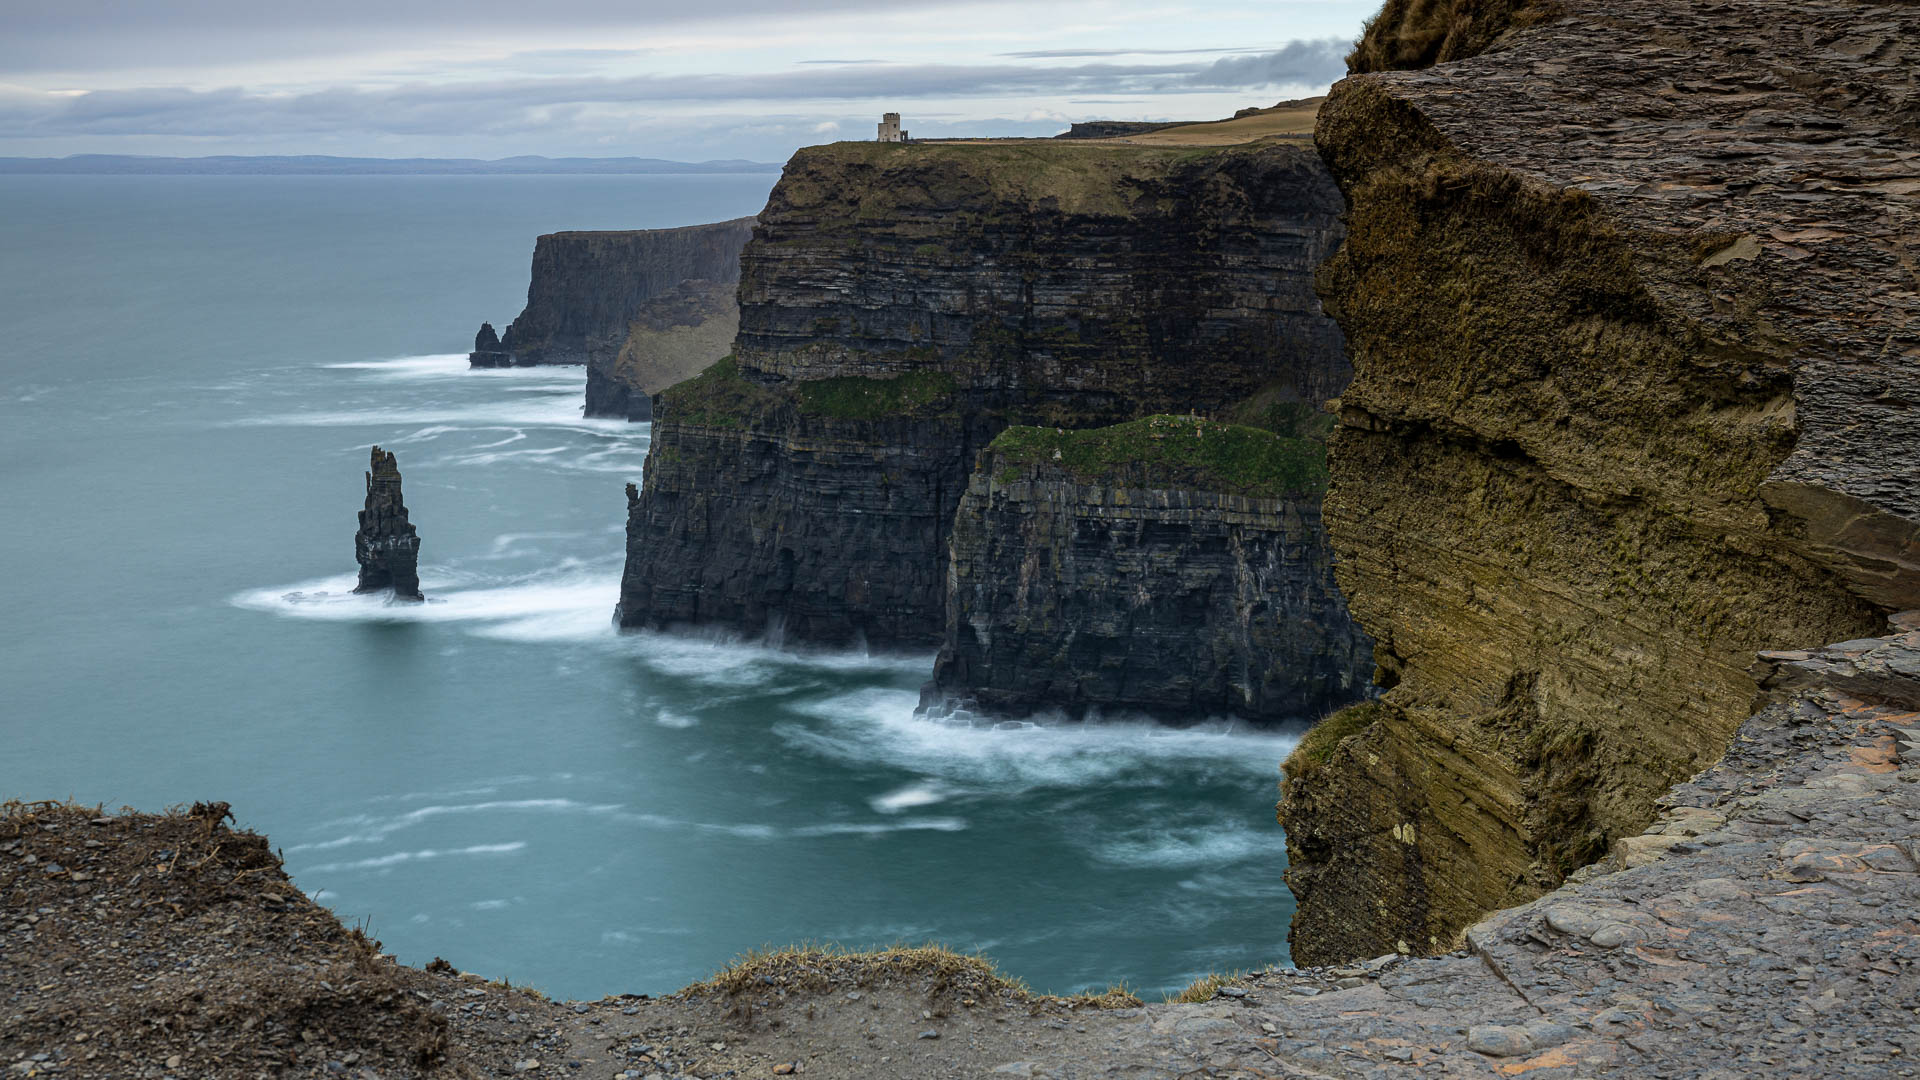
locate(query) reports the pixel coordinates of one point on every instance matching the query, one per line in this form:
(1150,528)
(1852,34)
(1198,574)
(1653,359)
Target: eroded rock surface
(1145,581)
(903,304)
(1632,303)
(588,287)
(386,545)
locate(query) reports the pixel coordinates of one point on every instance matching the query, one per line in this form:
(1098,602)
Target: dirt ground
(141,945)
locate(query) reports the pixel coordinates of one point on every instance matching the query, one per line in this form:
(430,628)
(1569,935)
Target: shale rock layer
(902,304)
(1631,301)
(1172,595)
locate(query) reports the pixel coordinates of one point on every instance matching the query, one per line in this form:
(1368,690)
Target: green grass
(1317,746)
(717,397)
(1171,452)
(857,398)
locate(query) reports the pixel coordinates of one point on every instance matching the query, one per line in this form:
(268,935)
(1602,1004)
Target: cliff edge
(1632,305)
(902,304)
(586,288)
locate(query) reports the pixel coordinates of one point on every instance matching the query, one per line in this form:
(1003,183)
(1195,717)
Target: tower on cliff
(890,128)
(386,546)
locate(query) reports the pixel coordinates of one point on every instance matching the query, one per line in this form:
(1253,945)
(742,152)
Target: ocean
(191,371)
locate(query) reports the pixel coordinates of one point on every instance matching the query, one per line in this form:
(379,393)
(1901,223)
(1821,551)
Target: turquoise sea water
(191,370)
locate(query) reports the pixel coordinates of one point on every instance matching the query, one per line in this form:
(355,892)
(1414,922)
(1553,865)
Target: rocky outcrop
(587,288)
(1170,566)
(487,351)
(903,304)
(386,545)
(672,338)
(1632,304)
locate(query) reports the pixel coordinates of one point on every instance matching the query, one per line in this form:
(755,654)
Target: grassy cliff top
(1076,176)
(1170,452)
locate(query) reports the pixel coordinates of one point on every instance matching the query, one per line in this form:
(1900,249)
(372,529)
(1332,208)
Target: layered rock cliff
(903,304)
(1172,566)
(386,546)
(670,339)
(1632,304)
(588,287)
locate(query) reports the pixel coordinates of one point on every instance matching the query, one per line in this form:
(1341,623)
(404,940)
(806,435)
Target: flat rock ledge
(1767,924)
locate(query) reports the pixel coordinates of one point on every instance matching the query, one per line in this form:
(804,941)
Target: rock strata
(1143,573)
(386,546)
(900,305)
(587,287)
(1632,307)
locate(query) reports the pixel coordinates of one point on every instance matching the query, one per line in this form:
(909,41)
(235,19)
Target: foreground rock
(1632,306)
(1764,925)
(1170,566)
(386,546)
(903,304)
(588,287)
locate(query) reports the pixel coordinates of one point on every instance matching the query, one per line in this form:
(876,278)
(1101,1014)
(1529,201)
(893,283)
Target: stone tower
(890,128)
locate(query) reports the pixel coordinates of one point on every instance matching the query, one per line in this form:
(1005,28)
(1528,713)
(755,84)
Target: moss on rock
(1172,452)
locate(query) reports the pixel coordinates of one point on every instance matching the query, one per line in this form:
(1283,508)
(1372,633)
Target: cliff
(670,339)
(386,545)
(1631,302)
(1171,566)
(587,288)
(903,304)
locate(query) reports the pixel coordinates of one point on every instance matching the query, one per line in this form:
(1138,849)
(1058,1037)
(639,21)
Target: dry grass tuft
(1204,988)
(826,967)
(1411,34)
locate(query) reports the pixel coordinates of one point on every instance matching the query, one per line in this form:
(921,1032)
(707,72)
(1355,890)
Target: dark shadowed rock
(672,337)
(900,306)
(486,349)
(386,546)
(588,287)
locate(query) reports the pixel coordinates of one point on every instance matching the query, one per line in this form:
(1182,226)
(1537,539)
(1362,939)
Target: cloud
(505,106)
(60,35)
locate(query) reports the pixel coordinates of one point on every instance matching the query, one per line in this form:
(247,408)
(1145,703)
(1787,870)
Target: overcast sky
(687,79)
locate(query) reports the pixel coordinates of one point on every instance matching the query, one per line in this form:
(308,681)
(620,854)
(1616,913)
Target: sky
(690,80)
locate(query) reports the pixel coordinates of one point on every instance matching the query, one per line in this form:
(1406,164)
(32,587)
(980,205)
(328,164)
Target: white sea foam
(1214,843)
(379,862)
(449,366)
(669,719)
(926,793)
(570,604)
(878,726)
(940,824)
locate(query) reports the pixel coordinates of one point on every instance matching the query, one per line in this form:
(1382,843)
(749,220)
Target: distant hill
(316,165)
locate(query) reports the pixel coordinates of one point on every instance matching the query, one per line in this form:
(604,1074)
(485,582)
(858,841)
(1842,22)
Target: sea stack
(386,545)
(487,351)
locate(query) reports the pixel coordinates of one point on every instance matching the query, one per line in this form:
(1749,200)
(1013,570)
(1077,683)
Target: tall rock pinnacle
(386,545)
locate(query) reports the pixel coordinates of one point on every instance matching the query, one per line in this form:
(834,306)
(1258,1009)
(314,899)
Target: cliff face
(386,545)
(587,287)
(902,304)
(1632,306)
(671,338)
(1170,566)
